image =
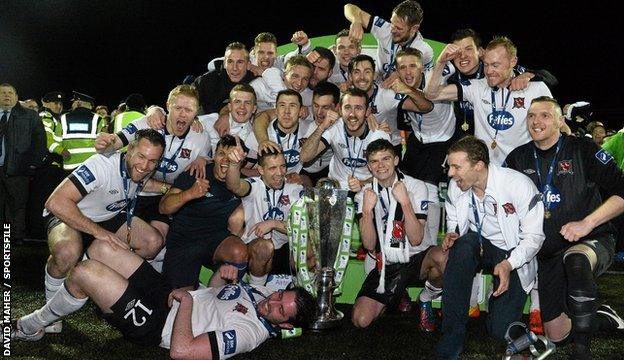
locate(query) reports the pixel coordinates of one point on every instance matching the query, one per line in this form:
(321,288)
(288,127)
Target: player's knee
(361,319)
(238,252)
(261,250)
(153,244)
(439,258)
(66,254)
(83,271)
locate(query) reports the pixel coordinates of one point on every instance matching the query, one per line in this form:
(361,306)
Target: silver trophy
(322,229)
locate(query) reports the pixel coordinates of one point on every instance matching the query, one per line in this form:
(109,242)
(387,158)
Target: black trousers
(13,198)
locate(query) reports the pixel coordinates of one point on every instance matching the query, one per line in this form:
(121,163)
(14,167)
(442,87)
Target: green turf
(395,336)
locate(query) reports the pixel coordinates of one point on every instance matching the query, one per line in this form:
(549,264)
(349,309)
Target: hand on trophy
(369,202)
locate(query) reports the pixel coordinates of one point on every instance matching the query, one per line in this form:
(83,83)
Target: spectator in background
(597,131)
(30,104)
(134,109)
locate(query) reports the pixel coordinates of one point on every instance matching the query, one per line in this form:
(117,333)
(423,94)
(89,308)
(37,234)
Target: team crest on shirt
(240,308)
(185,153)
(131,129)
(564,167)
(229,342)
(509,208)
(379,22)
(284,200)
(424,205)
(518,103)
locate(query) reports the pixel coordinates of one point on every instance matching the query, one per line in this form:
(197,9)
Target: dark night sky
(109,49)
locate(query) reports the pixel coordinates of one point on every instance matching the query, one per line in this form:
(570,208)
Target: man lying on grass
(217,322)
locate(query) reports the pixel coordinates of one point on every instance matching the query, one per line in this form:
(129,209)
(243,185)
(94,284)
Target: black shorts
(147,209)
(183,260)
(552,282)
(281,260)
(141,312)
(111,225)
(425,161)
(398,278)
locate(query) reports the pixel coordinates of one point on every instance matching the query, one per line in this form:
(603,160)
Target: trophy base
(327,322)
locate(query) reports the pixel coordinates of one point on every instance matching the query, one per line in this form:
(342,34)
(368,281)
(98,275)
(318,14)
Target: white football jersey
(438,125)
(269,84)
(243,130)
(179,152)
(418,195)
(387,50)
(229,313)
(349,158)
(99,180)
(500,115)
(384,104)
(263,203)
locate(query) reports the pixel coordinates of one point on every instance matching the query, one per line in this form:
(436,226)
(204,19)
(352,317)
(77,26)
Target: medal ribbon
(479,224)
(351,162)
(130,203)
(504,104)
(250,291)
(166,161)
(551,170)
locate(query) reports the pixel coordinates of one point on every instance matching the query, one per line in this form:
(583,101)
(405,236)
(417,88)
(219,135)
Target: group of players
(216,189)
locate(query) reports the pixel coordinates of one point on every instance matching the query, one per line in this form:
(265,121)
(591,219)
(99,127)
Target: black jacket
(25,142)
(214,89)
(580,169)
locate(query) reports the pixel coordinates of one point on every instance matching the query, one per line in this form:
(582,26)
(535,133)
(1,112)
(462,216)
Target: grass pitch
(394,336)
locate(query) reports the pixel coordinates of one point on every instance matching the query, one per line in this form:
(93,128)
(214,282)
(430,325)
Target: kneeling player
(266,202)
(393,212)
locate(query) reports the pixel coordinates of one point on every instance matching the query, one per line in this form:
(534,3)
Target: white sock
(62,303)
(258,280)
(429,292)
(52,284)
(474,295)
(157,262)
(433,216)
(534,299)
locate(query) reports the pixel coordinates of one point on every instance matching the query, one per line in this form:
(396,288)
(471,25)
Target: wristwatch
(164,188)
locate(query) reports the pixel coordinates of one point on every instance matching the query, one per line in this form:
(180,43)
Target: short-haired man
(345,49)
(214,86)
(285,130)
(211,323)
(184,149)
(467,65)
(22,147)
(430,135)
(325,102)
(401,32)
(348,135)
(266,202)
(494,223)
(199,233)
(88,205)
(323,60)
(392,214)
(384,103)
(499,109)
(242,108)
(296,76)
(580,241)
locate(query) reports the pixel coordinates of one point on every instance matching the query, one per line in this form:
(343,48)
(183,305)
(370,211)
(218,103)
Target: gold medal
(493,145)
(465,126)
(547,214)
(128,236)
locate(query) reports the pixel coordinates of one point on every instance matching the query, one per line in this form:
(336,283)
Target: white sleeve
(378,134)
(419,197)
(238,339)
(381,30)
(127,134)
(530,211)
(273,79)
(91,175)
(359,199)
(449,207)
(390,99)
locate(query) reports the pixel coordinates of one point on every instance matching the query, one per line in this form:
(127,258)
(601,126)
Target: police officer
(80,127)
(50,174)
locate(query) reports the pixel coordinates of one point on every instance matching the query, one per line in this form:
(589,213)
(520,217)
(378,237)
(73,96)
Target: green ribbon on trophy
(300,233)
